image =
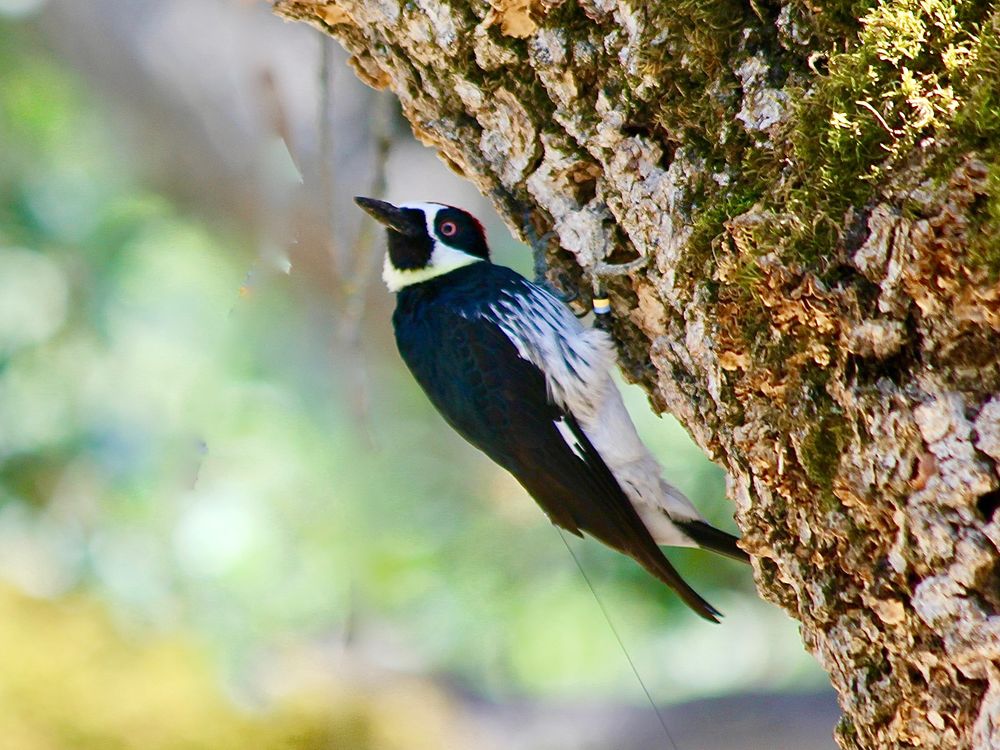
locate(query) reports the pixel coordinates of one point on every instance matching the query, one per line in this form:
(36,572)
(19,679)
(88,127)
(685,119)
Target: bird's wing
(499,402)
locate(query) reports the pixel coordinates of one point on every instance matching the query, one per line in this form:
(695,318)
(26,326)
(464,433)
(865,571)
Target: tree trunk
(810,192)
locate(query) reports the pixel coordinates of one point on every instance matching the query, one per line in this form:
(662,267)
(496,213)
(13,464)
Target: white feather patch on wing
(577,362)
(570,438)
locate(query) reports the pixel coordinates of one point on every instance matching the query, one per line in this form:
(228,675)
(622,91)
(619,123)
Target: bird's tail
(711,538)
(656,563)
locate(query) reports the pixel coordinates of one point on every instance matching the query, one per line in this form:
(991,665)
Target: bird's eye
(448,229)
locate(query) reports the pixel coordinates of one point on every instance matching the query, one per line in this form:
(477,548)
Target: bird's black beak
(405,221)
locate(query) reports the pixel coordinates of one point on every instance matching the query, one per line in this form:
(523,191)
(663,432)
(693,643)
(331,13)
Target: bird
(513,370)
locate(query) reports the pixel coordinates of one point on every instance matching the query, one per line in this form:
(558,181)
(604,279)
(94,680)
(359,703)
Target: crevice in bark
(987,504)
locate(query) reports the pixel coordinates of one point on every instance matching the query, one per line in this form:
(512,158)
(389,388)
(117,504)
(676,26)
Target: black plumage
(499,402)
(517,375)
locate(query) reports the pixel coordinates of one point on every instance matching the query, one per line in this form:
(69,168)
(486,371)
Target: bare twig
(356,286)
(327,145)
(365,258)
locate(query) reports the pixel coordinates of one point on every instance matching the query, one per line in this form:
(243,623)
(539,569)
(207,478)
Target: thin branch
(327,166)
(355,288)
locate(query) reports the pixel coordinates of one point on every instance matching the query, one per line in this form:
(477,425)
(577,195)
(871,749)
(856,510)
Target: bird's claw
(566,298)
(538,243)
(534,239)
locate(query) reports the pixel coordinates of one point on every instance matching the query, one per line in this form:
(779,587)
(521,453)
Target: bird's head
(426,240)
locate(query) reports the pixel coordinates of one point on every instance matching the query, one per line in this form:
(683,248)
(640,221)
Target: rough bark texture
(814,186)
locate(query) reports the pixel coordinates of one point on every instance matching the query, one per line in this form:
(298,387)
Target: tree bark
(810,191)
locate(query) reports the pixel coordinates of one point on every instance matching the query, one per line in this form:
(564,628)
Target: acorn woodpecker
(513,371)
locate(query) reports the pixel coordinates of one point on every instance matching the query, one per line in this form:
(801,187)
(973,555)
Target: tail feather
(713,539)
(659,566)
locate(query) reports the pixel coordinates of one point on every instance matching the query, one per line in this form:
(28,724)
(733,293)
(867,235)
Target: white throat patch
(444,258)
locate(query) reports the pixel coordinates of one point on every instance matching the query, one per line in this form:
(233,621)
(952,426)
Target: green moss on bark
(977,127)
(891,97)
(821,449)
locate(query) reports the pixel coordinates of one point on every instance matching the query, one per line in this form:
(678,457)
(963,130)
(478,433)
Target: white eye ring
(449,229)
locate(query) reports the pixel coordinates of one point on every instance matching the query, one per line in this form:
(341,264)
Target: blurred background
(228,518)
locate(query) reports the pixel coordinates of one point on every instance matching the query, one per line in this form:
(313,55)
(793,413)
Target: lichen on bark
(816,189)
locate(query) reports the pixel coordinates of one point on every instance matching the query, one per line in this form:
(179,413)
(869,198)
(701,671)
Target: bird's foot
(539,244)
(566,297)
(603,271)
